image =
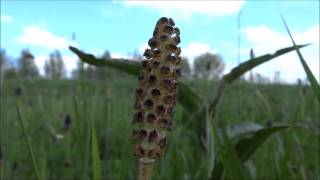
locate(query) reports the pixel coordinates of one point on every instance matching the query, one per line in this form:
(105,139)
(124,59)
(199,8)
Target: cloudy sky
(123,27)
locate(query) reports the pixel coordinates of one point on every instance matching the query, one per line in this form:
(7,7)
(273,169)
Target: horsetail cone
(156,94)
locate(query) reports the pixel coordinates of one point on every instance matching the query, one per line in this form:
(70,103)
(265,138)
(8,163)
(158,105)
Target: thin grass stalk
(77,124)
(314,84)
(29,147)
(1,128)
(96,164)
(107,124)
(87,145)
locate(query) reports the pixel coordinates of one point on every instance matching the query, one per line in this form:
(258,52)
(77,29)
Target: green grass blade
(311,78)
(247,146)
(189,100)
(252,63)
(232,165)
(125,65)
(96,164)
(29,147)
(247,143)
(78,129)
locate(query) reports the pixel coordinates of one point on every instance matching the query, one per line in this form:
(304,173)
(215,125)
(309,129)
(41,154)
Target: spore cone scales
(156,94)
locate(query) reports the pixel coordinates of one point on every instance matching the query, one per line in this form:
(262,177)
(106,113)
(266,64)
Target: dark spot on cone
(152,79)
(138,117)
(147,53)
(156,64)
(151,153)
(177,39)
(163,20)
(157,52)
(148,103)
(152,43)
(171,22)
(153,135)
(170,109)
(165,70)
(160,109)
(168,99)
(144,63)
(178,72)
(163,122)
(176,30)
(141,151)
(151,118)
(163,37)
(171,58)
(142,134)
(171,47)
(155,92)
(162,143)
(168,29)
(139,92)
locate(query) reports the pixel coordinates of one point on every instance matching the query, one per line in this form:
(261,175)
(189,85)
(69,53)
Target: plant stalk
(145,168)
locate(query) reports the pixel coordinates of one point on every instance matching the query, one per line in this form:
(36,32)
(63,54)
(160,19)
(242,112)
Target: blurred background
(120,29)
(58,95)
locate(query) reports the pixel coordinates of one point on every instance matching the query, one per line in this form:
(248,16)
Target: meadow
(63,151)
(227,128)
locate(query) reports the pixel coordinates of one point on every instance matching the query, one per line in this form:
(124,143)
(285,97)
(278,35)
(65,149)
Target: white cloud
(70,63)
(143,48)
(266,40)
(186,8)
(38,36)
(119,56)
(195,49)
(6,18)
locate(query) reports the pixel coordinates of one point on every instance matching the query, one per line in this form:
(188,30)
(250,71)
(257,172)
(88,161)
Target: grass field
(65,152)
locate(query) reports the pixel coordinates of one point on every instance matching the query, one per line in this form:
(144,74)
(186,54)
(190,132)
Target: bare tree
(54,67)
(208,66)
(27,66)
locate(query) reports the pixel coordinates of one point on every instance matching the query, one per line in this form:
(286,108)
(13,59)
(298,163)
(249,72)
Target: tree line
(206,65)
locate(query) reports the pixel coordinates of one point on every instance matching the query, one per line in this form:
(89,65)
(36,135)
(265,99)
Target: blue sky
(124,27)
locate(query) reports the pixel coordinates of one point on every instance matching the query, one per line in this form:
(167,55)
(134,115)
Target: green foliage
(191,102)
(184,158)
(246,138)
(225,82)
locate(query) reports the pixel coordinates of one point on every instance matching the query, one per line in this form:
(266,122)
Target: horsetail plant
(156,95)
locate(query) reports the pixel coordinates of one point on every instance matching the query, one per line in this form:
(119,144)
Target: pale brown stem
(145,168)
